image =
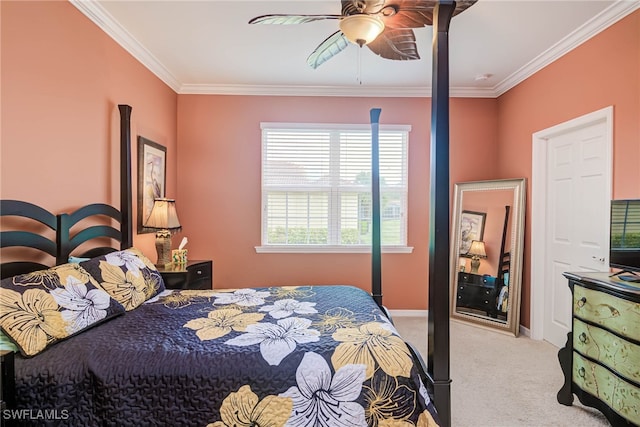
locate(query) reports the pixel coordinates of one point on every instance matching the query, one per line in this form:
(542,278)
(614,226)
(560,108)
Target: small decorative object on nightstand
(195,274)
(179,256)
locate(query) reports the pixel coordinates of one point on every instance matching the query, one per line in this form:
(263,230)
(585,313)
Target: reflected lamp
(476,251)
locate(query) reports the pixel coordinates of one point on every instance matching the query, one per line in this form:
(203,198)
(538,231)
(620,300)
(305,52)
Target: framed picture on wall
(152,179)
(471,228)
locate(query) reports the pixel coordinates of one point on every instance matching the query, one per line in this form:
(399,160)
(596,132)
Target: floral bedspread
(279,356)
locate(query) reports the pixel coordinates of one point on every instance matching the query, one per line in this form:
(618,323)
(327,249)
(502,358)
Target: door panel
(577,203)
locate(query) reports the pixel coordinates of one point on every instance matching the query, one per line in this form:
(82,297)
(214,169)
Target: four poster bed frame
(436,372)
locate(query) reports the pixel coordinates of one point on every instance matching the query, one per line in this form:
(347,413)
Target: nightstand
(195,274)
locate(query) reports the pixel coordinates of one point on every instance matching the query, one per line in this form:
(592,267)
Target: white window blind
(316,186)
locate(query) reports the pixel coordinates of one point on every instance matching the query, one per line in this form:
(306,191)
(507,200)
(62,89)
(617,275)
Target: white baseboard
(409,313)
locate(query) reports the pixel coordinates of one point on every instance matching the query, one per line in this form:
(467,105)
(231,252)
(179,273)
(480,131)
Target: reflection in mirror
(487,238)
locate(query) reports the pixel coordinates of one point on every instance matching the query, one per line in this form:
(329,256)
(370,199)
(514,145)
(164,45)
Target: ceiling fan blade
(290,19)
(462,5)
(396,44)
(354,7)
(330,47)
(400,13)
(417,13)
(409,14)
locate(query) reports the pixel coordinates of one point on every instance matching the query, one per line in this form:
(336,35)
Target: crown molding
(598,23)
(471,92)
(96,13)
(103,19)
(360,91)
(291,90)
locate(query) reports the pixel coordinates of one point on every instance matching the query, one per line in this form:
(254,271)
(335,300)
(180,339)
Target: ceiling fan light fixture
(361,29)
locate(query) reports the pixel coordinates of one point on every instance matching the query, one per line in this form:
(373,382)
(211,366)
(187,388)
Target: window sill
(324,249)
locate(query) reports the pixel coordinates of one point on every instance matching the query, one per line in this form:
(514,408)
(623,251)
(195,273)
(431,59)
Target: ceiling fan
(384,26)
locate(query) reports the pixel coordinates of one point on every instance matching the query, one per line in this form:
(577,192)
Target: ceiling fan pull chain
(359,67)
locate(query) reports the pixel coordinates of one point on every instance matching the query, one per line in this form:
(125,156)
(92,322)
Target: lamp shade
(477,249)
(361,29)
(163,216)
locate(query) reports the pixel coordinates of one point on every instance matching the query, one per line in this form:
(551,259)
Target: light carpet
(502,381)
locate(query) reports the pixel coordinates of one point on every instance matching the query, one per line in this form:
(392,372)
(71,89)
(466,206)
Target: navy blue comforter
(279,356)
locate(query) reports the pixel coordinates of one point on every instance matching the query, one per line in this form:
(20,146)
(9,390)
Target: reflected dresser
(601,359)
(478,292)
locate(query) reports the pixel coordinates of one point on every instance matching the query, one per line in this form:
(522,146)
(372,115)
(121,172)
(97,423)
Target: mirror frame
(517,211)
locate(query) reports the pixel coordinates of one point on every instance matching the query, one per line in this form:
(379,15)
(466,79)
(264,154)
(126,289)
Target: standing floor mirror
(487,239)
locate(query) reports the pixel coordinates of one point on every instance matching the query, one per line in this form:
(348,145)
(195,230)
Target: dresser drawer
(476,279)
(193,275)
(469,278)
(607,348)
(474,294)
(616,314)
(619,395)
(199,276)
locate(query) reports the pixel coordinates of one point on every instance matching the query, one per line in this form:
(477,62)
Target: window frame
(330,248)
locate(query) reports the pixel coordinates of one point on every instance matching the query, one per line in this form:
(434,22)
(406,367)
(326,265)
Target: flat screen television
(625,236)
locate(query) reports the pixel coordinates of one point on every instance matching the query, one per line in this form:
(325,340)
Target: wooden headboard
(66,229)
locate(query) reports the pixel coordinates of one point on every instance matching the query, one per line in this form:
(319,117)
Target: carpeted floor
(499,380)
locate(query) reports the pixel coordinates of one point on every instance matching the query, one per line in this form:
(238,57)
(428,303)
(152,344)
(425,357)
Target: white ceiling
(208,47)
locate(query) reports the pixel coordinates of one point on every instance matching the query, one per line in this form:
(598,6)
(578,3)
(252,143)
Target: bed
(267,356)
(186,357)
(217,357)
(231,357)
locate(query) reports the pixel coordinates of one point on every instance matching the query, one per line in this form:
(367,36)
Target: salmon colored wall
(603,71)
(62,79)
(219,186)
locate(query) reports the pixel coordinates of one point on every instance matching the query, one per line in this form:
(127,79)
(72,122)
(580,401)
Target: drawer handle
(581,372)
(584,339)
(582,301)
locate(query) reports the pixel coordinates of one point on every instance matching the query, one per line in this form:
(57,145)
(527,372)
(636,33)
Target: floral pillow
(41,308)
(128,276)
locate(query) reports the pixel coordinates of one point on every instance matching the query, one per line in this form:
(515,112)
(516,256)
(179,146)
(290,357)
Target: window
(316,188)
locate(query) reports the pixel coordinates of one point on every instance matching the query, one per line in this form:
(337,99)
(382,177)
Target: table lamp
(476,251)
(164,219)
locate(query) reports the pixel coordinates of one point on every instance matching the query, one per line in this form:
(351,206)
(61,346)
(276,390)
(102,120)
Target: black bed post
(125,176)
(438,327)
(376,252)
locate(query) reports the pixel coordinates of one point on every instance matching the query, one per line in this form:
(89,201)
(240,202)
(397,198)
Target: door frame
(539,206)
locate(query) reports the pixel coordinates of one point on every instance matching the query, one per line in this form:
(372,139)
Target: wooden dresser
(601,360)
